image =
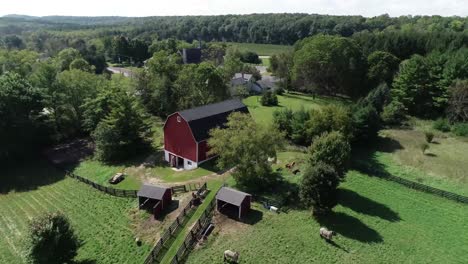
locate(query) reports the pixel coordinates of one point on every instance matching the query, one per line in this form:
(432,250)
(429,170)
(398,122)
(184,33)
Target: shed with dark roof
(186,132)
(233,202)
(154,198)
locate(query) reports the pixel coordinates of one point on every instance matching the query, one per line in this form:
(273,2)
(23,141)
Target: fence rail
(108,190)
(416,185)
(194,233)
(162,244)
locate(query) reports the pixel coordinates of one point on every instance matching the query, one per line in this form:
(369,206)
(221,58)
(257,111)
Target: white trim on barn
(187,164)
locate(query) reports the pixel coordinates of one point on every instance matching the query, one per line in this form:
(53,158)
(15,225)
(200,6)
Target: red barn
(186,132)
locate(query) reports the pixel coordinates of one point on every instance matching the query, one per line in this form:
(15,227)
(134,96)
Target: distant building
(186,132)
(192,55)
(119,70)
(246,80)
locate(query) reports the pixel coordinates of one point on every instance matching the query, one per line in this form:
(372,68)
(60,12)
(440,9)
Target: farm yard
(377,222)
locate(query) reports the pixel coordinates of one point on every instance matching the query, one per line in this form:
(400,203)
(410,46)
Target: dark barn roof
(192,55)
(151,191)
(204,118)
(231,196)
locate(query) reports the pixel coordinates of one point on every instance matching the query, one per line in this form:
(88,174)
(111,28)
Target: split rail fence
(195,233)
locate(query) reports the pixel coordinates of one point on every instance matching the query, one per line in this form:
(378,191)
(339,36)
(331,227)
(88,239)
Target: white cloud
(215,7)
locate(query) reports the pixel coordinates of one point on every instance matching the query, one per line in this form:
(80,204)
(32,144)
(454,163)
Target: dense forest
(54,85)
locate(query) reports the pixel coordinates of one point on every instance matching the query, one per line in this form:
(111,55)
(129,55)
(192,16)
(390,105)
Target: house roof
(204,118)
(192,55)
(151,191)
(247,76)
(231,196)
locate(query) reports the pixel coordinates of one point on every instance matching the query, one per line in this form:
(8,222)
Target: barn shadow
(350,227)
(254,216)
(172,207)
(364,205)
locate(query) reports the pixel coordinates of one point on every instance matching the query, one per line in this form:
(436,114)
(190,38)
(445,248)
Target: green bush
(429,136)
(460,129)
(269,99)
(393,113)
(441,124)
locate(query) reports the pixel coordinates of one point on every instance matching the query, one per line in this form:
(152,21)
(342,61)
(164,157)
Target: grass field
(104,223)
(294,101)
(444,164)
(377,222)
(262,49)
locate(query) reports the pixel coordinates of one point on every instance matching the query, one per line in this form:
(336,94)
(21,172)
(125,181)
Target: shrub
(460,129)
(424,147)
(318,188)
(52,240)
(441,124)
(429,136)
(393,113)
(329,118)
(269,99)
(283,120)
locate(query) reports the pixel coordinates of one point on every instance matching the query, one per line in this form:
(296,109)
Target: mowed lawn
(377,222)
(294,101)
(262,49)
(102,222)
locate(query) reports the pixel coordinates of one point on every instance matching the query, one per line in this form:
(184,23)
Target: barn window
(178,119)
(189,162)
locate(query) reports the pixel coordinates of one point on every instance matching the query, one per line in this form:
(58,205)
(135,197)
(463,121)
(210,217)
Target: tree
(75,87)
(199,84)
(318,188)
(52,240)
(329,118)
(82,65)
(332,149)
(417,87)
(366,122)
(123,132)
(232,63)
(458,103)
(382,67)
(250,57)
(378,97)
(20,121)
(246,146)
(329,65)
(65,58)
(393,113)
(298,126)
(282,119)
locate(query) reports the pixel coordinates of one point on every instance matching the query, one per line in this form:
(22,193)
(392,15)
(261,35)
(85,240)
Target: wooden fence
(416,185)
(108,190)
(196,231)
(155,255)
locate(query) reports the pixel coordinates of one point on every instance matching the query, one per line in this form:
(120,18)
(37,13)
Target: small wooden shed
(154,198)
(233,202)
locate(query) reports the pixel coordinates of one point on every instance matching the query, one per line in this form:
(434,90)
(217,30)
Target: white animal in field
(231,256)
(327,234)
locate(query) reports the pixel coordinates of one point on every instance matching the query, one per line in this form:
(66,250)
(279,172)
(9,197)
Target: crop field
(377,222)
(262,49)
(104,223)
(294,101)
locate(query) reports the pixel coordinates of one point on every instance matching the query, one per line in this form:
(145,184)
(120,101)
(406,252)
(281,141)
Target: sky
(141,8)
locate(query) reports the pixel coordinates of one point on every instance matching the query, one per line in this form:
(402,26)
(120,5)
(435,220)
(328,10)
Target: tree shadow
(364,205)
(350,227)
(28,175)
(85,261)
(333,243)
